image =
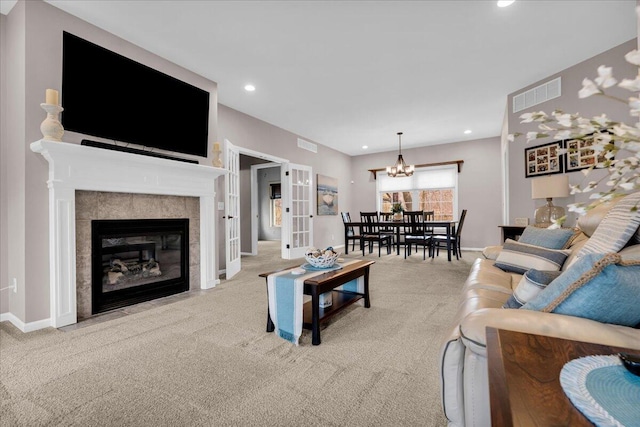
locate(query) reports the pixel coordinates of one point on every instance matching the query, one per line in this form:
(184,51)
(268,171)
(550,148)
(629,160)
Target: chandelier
(400,168)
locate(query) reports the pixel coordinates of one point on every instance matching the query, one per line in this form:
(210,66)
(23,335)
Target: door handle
(310,216)
(230,217)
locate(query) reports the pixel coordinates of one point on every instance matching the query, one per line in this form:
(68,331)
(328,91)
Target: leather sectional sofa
(464,377)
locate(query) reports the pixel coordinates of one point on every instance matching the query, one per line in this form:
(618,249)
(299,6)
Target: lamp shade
(550,186)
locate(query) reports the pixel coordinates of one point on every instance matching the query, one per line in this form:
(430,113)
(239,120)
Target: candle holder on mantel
(216,158)
(51,127)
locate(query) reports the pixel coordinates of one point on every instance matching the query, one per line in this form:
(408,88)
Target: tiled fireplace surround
(91,183)
(92,205)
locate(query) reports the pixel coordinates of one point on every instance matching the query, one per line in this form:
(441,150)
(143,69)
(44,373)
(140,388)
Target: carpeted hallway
(206,360)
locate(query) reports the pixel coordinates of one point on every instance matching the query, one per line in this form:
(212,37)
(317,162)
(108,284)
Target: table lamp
(549,187)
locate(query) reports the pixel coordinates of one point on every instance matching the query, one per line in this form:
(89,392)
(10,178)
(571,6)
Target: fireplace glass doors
(137,260)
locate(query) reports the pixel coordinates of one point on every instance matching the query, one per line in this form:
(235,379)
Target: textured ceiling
(353,73)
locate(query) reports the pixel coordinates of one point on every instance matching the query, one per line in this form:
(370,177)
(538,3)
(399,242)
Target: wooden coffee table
(317,285)
(524,378)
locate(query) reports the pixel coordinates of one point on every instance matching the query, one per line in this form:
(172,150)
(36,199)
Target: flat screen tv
(107,95)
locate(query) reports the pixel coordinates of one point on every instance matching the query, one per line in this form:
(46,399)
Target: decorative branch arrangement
(603,135)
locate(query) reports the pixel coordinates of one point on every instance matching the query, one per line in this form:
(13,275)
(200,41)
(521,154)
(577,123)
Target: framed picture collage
(548,159)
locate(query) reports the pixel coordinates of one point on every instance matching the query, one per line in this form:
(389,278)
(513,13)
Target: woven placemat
(603,390)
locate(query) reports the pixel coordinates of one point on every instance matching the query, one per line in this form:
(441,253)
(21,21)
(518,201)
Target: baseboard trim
(25,327)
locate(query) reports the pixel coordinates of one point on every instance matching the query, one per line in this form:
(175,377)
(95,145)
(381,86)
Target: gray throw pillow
(519,257)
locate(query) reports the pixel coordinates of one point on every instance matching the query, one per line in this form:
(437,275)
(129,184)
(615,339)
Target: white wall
(521,204)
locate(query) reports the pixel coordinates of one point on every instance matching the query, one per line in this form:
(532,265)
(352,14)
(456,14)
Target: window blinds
(422,179)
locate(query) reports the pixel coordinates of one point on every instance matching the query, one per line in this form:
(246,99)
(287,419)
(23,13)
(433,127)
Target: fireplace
(77,168)
(136,260)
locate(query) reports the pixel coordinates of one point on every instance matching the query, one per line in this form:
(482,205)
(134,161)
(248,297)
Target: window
(275,204)
(429,189)
(276,213)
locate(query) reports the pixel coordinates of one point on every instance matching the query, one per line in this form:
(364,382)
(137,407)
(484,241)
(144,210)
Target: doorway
(297,202)
(266,205)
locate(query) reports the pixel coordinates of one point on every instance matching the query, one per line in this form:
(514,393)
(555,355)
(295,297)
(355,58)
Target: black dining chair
(415,233)
(351,233)
(385,228)
(440,240)
(371,233)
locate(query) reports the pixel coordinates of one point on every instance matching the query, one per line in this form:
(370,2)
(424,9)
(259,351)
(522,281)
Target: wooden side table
(524,378)
(512,232)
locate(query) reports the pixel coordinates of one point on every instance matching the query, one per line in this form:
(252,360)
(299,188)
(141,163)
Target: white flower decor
(609,136)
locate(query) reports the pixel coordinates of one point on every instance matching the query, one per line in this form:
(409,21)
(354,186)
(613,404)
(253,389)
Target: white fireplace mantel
(77,167)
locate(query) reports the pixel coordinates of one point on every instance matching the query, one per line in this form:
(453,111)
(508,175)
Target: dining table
(397,226)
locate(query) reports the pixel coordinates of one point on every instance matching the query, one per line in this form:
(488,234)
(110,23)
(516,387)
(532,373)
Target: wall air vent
(309,146)
(537,95)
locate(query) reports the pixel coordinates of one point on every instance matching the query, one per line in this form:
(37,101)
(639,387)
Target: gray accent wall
(479,183)
(4,240)
(254,134)
(13,164)
(33,49)
(520,202)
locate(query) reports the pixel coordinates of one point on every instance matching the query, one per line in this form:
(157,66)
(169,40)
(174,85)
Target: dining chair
(371,233)
(440,240)
(415,233)
(387,229)
(351,233)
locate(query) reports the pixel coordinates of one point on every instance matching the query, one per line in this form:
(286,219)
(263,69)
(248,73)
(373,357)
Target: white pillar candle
(51,97)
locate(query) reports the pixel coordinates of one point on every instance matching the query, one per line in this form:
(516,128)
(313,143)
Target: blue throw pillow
(517,257)
(600,287)
(547,238)
(532,282)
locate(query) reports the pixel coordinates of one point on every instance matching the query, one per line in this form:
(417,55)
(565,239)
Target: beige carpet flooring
(207,360)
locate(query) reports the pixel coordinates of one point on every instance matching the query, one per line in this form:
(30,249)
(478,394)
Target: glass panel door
(297,221)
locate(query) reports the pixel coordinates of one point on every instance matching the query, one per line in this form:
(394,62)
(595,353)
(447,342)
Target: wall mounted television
(107,95)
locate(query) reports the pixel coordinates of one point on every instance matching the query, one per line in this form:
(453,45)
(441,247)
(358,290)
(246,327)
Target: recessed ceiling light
(505,3)
(249,88)
(364,147)
(467,132)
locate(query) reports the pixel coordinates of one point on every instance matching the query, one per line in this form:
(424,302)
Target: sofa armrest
(492,252)
(473,327)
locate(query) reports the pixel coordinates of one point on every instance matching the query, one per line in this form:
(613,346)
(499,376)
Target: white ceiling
(352,73)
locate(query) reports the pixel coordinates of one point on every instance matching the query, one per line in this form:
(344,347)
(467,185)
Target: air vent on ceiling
(537,95)
(310,146)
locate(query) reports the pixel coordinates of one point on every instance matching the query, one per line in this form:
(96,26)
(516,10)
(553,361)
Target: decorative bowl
(321,258)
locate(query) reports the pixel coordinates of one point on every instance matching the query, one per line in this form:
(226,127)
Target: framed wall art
(327,195)
(581,154)
(544,159)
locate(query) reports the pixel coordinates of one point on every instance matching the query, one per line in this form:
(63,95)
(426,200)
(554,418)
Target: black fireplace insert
(137,260)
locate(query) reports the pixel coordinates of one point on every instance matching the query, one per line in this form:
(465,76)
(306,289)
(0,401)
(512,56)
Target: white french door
(297,218)
(232,210)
